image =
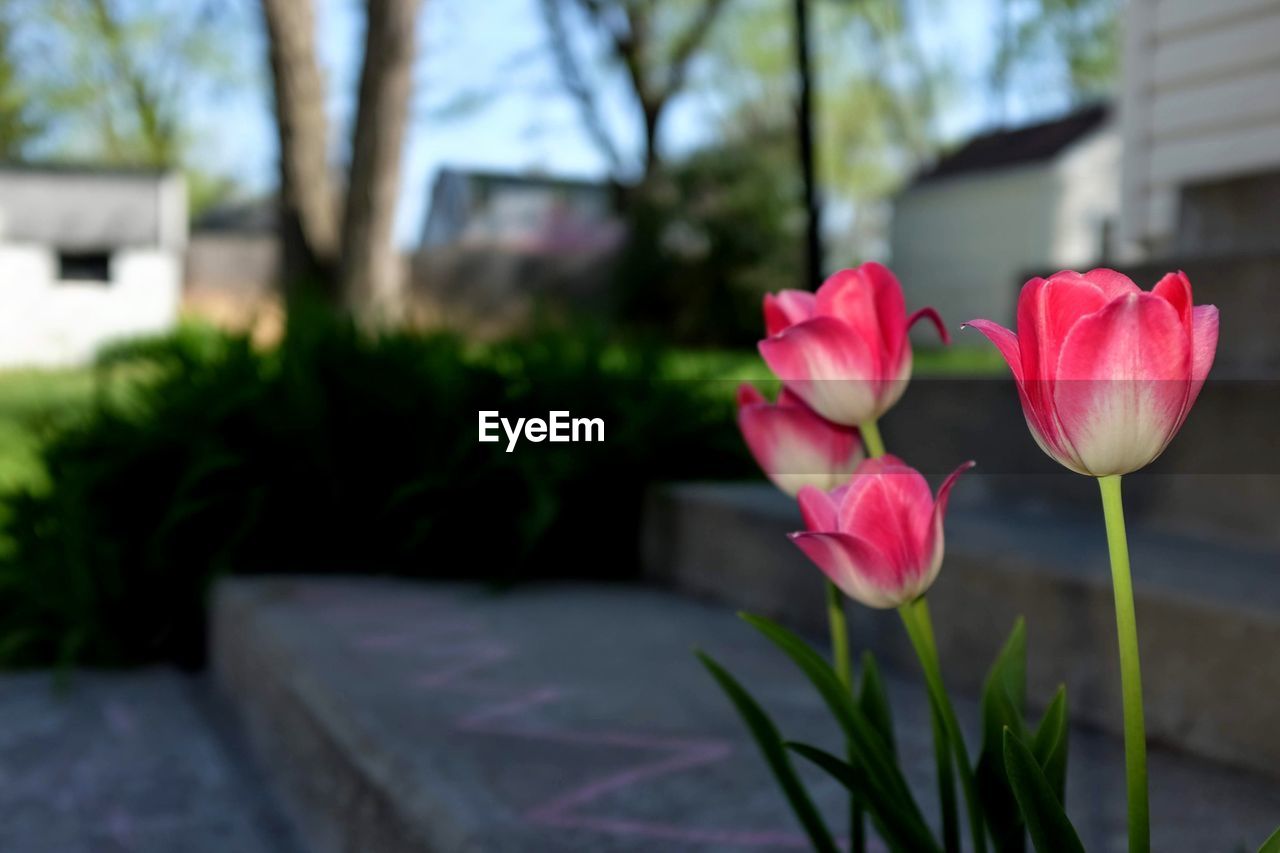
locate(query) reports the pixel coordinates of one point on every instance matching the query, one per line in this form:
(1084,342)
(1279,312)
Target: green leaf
(1050,744)
(1272,844)
(769,739)
(1051,830)
(873,699)
(1003,697)
(942,751)
(873,753)
(901,830)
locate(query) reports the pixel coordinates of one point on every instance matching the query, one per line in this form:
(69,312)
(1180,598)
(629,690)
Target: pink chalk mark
(510,716)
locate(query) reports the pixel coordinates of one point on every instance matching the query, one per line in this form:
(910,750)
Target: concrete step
(127,763)
(1208,613)
(429,717)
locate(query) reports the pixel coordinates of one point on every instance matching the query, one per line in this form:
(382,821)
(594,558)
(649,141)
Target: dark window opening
(84,266)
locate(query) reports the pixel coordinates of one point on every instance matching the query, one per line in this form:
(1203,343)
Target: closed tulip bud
(879,539)
(844,349)
(1106,372)
(794,446)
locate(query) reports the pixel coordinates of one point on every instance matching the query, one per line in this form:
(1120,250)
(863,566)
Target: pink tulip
(1106,372)
(794,446)
(879,539)
(844,350)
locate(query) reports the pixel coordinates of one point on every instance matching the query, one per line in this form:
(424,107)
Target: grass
(35,404)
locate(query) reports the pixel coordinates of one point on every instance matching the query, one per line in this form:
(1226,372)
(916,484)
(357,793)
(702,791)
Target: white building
(86,256)
(1005,205)
(1200,114)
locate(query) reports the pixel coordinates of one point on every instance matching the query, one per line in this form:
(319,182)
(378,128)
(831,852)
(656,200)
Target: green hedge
(339,452)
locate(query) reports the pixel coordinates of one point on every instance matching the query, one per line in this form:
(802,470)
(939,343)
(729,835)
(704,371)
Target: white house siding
(963,244)
(136,220)
(1201,103)
(46,322)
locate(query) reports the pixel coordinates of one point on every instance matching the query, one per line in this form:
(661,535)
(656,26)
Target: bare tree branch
(570,72)
(688,45)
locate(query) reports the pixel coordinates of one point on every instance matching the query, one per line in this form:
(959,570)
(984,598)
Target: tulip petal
(796,448)
(1036,416)
(855,566)
(934,537)
(1204,346)
(1175,289)
(819,510)
(749,395)
(869,299)
(1123,382)
(1047,311)
(827,366)
(1006,342)
(932,315)
(786,308)
(888,504)
(1112,283)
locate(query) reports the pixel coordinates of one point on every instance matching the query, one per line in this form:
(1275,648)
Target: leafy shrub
(339,452)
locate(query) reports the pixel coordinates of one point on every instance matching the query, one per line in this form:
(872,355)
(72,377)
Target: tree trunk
(369,277)
(652,114)
(308,203)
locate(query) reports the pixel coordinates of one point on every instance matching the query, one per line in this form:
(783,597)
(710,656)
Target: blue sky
(472,47)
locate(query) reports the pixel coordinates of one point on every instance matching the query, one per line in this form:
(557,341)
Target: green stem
(871,439)
(919,625)
(844,671)
(1135,737)
(874,446)
(839,635)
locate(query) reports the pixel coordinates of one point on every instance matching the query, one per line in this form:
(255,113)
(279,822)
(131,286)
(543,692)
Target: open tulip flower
(795,446)
(844,350)
(879,539)
(1106,371)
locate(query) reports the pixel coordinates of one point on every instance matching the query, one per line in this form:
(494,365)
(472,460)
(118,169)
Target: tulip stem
(1135,738)
(839,635)
(919,625)
(871,439)
(844,671)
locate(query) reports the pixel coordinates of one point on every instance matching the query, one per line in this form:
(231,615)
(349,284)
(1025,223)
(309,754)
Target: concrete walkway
(414,717)
(124,763)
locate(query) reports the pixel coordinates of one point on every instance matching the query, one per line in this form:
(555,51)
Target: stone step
(402,716)
(125,761)
(1208,612)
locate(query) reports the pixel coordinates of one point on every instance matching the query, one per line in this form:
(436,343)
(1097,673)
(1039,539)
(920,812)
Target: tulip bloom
(844,350)
(794,446)
(879,539)
(1106,371)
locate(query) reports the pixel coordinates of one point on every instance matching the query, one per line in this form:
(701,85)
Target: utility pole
(804,123)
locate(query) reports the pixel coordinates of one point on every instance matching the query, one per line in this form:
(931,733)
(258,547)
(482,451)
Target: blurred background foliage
(338,452)
(125,488)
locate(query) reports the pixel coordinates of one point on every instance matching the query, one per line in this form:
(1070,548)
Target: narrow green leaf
(919,627)
(1003,695)
(900,829)
(873,699)
(942,750)
(1051,830)
(871,749)
(1050,744)
(1272,844)
(770,742)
